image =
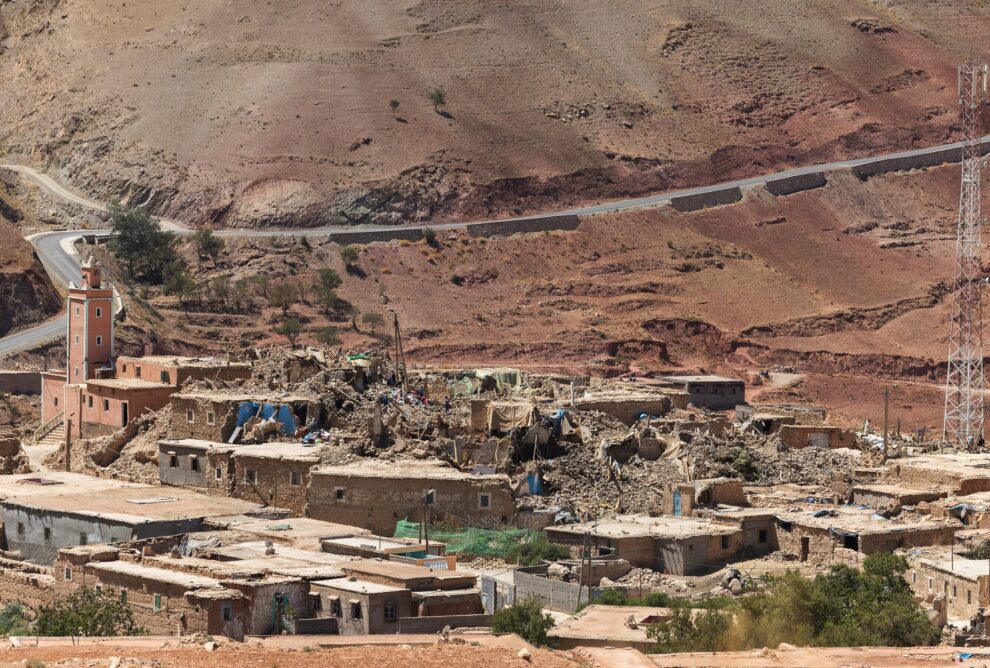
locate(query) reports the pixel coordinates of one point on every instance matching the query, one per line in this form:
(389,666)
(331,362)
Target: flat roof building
(714,392)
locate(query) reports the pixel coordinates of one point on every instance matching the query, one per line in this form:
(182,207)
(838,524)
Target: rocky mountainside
(259,114)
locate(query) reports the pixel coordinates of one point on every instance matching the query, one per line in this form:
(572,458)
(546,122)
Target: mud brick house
(789,413)
(224,416)
(816,436)
(815,535)
(360,607)
(43,515)
(680,499)
(165,602)
(964,473)
(627,407)
(275,474)
(879,495)
(675,545)
(759,527)
(714,392)
(965,583)
(375,496)
(96,394)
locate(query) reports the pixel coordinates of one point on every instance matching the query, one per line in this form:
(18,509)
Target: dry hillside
(249,113)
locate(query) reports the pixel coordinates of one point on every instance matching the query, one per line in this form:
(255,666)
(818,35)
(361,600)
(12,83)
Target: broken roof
(189,362)
(863,521)
(429,469)
(187,580)
(266,396)
(644,526)
(126,384)
(701,379)
(271,450)
(357,586)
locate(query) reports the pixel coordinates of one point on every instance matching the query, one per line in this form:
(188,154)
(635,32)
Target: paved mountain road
(63,266)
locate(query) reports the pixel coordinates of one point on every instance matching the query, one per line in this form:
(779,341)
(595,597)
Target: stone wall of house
(191,418)
(963,596)
(378,503)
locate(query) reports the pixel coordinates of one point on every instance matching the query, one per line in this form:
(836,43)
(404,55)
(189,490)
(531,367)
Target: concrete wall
(20,382)
(52,395)
(933,159)
(716,396)
(553,594)
(372,618)
(182,473)
(534,224)
(111,413)
(792,184)
(378,503)
(704,200)
(24,529)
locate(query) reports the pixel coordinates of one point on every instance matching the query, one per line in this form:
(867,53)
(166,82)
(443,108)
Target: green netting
(483,542)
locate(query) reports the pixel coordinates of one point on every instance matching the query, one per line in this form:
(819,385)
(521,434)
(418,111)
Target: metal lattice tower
(964,380)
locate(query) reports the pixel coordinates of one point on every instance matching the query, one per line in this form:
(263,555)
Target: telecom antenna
(964,376)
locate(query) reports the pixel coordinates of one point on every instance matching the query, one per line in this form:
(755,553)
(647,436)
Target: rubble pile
(574,463)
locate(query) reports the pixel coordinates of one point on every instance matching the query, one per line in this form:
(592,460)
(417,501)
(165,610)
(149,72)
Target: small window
(68,573)
(77,372)
(189,415)
(355,610)
(77,339)
(173,461)
(945,587)
(955,591)
(429,496)
(99,341)
(83,538)
(914,577)
(99,312)
(690,547)
(165,377)
(211,418)
(725,542)
(335,607)
(77,310)
(21,530)
(969,597)
(106,405)
(158,603)
(99,589)
(929,584)
(251,476)
(123,368)
(194,464)
(48,534)
(295,478)
(218,473)
(762,536)
(226,612)
(89,401)
(56,401)
(484,501)
(123,596)
(390,612)
(339,493)
(137,371)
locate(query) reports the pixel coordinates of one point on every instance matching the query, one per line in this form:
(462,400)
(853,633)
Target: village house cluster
(283,489)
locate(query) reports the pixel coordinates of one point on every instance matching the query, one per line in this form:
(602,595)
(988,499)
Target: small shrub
(457,279)
(430,236)
(86,612)
(527,620)
(535,551)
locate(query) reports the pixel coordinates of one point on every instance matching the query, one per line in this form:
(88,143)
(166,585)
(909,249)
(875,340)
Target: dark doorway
(123,412)
(805,548)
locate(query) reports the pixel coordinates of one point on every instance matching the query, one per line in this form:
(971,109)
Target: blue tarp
(249,409)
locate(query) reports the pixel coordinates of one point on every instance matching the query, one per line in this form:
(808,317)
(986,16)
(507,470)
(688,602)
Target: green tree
(394,106)
(290,329)
(240,294)
(283,295)
(439,99)
(527,620)
(535,551)
(430,236)
(328,336)
(13,621)
(349,254)
(86,613)
(220,286)
(263,283)
(325,288)
(373,320)
(138,242)
(208,244)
